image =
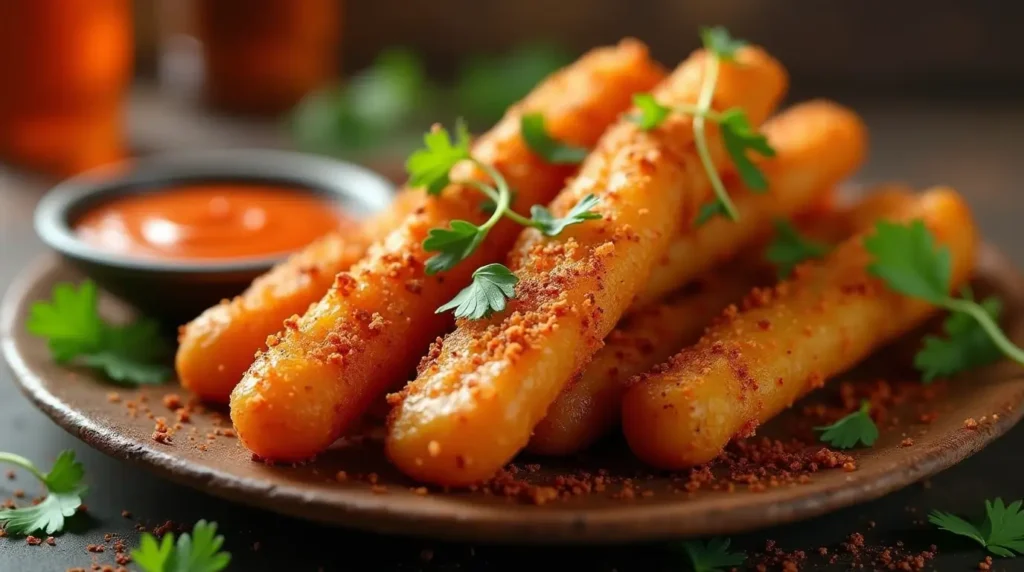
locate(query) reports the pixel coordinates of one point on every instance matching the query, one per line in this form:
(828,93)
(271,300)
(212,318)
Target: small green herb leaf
(713,556)
(492,286)
(739,137)
(69,321)
(551,226)
(718,41)
(198,552)
(454,244)
(1002,531)
(542,143)
(709,211)
(965,346)
(429,166)
(790,248)
(652,114)
(132,354)
(857,427)
(64,495)
(907,259)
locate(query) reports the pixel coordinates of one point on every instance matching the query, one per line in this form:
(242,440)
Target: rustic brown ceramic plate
(203,454)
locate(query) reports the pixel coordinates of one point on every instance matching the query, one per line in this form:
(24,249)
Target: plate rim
(365,510)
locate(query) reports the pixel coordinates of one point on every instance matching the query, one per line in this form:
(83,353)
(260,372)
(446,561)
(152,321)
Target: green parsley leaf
(70,321)
(857,427)
(965,346)
(542,143)
(652,114)
(1002,531)
(739,137)
(488,84)
(709,211)
(492,285)
(712,556)
(551,226)
(64,495)
(198,552)
(790,248)
(454,244)
(429,166)
(907,259)
(718,41)
(129,354)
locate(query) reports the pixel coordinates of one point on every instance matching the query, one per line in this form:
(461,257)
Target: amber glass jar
(263,56)
(65,66)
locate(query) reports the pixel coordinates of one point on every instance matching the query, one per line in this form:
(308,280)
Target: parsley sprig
(553,151)
(198,552)
(738,136)
(713,555)
(908,260)
(64,495)
(430,167)
(789,248)
(129,355)
(857,427)
(1001,533)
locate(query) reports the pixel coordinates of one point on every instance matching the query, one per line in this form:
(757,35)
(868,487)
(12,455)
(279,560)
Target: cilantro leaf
(64,495)
(709,211)
(429,166)
(712,556)
(965,346)
(907,259)
(652,114)
(542,143)
(129,354)
(551,226)
(198,552)
(718,41)
(857,427)
(492,286)
(739,137)
(790,248)
(69,321)
(1002,531)
(454,244)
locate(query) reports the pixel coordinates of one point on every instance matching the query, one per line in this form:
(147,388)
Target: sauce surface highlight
(211,221)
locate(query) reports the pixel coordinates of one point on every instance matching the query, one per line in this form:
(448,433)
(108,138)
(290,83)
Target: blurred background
(87,82)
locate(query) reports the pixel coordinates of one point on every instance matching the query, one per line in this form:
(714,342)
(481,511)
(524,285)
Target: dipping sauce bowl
(174,234)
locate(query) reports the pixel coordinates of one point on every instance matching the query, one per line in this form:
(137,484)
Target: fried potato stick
(482,390)
(365,336)
(817,144)
(785,342)
(216,348)
(591,404)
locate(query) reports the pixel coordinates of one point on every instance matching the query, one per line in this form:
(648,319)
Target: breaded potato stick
(590,405)
(817,145)
(482,390)
(216,348)
(785,342)
(365,336)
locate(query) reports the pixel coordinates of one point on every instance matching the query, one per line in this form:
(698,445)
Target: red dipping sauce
(211,221)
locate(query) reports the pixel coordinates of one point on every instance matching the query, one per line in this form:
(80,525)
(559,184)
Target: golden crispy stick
(590,405)
(215,349)
(784,343)
(480,392)
(818,144)
(367,333)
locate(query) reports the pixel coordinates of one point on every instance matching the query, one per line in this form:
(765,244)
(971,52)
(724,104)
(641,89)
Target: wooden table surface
(972,146)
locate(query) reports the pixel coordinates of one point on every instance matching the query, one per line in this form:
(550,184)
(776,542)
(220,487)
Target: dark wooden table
(973,146)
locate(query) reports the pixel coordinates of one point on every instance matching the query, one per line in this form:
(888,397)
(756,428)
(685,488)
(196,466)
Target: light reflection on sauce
(213,221)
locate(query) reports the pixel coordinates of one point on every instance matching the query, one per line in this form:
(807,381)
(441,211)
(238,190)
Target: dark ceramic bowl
(174,291)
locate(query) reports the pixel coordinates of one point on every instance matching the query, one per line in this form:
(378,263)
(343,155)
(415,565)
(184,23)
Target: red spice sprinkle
(33,541)
(985,564)
(172,401)
(114,397)
(908,442)
(95,548)
(51,541)
(10,475)
(161,437)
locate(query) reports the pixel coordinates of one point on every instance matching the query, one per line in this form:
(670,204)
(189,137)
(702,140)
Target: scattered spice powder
(33,540)
(95,548)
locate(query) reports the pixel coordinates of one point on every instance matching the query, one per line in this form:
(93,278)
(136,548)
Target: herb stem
(701,115)
(501,202)
(22,462)
(976,311)
(696,111)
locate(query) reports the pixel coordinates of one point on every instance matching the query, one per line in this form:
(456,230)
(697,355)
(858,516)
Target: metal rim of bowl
(358,188)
